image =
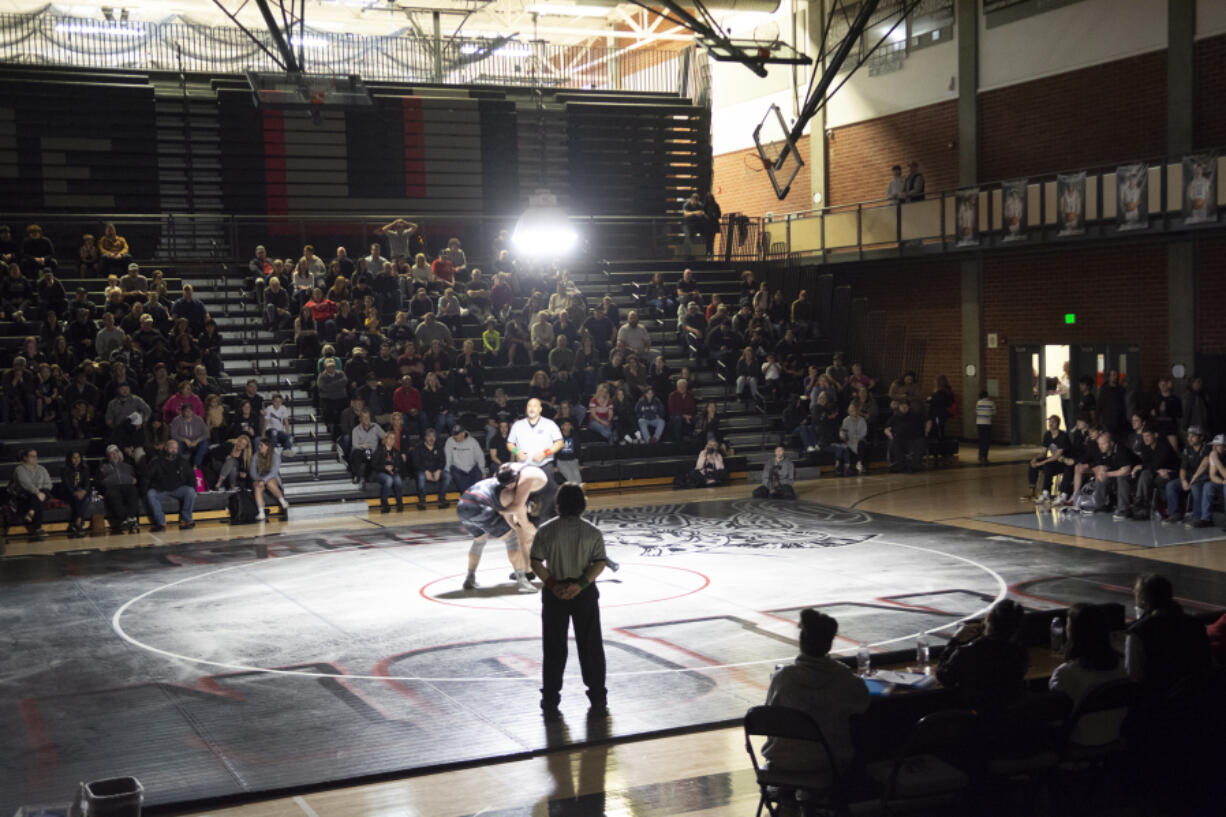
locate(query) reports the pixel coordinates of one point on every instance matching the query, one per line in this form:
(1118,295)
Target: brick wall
(1210,296)
(742,186)
(1086,118)
(859,156)
(1117,291)
(1209,123)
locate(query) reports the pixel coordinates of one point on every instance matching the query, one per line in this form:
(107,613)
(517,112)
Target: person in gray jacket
(851,449)
(465,459)
(778,477)
(266,476)
(126,416)
(117,479)
(30,488)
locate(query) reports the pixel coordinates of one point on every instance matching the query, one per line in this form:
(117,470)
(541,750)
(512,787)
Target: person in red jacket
(681,411)
(407,400)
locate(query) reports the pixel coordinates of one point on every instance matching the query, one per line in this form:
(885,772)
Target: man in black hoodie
(170,476)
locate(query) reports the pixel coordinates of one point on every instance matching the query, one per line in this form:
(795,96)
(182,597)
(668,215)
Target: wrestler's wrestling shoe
(524,586)
(470,582)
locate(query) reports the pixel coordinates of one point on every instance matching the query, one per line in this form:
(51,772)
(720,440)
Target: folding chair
(821,786)
(931,771)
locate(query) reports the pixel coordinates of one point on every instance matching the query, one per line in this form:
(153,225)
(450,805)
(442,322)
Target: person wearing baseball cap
(465,459)
(1193,481)
(1217,481)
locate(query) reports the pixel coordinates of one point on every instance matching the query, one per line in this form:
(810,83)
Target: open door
(1028,394)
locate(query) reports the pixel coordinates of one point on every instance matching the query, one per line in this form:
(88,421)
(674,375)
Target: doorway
(1045,379)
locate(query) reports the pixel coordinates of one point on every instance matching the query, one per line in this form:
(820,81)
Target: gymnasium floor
(158,661)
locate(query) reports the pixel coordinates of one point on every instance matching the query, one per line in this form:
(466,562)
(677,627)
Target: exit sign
(1070,317)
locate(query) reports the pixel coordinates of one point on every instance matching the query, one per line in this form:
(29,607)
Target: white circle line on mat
(117,626)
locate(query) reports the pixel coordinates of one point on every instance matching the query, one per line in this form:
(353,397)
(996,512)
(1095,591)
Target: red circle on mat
(701,581)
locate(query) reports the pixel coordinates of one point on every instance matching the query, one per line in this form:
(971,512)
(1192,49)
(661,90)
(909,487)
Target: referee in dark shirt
(568,554)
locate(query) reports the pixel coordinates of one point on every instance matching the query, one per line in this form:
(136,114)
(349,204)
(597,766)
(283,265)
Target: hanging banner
(968,217)
(1200,188)
(1071,202)
(1132,197)
(1013,207)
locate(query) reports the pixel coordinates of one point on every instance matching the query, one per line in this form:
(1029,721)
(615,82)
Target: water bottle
(1057,635)
(922,654)
(864,662)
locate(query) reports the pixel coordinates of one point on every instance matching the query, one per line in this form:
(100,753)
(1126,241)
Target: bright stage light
(544,231)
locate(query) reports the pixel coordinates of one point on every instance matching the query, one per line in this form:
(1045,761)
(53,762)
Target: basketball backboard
(777,151)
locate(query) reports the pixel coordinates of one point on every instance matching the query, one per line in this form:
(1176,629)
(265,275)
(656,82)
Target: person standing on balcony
(913,185)
(895,191)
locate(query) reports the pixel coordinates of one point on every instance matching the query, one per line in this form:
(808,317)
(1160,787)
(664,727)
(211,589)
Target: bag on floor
(1084,501)
(242,508)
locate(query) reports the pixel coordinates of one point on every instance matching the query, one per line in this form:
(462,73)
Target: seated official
(778,477)
(985,663)
(826,689)
(1090,661)
(1164,645)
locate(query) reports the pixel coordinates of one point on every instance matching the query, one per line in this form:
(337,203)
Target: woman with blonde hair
(237,465)
(265,470)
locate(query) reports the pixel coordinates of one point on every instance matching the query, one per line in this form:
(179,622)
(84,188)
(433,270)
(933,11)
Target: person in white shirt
(1198,196)
(277,423)
(985,409)
(896,190)
(534,440)
(1090,662)
(853,433)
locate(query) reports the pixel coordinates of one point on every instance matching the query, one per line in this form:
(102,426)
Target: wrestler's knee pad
(512,542)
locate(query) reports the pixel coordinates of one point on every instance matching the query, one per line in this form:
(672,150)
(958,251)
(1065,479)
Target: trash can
(113,797)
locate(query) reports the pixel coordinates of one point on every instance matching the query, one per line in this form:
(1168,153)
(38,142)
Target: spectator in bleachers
(567,458)
(169,476)
(1166,415)
(436,405)
(985,663)
(747,372)
(633,338)
(430,465)
(634,376)
(465,459)
(37,252)
(467,379)
(543,337)
(385,286)
(692,331)
(1158,465)
(1192,481)
(540,388)
(307,337)
(203,383)
(1089,662)
(441,273)
(236,465)
(797,420)
(214,418)
(517,344)
(432,329)
(8,247)
(400,330)
(625,421)
(376,399)
(649,414)
(406,401)
(117,481)
(186,355)
(802,316)
(134,285)
(192,435)
(16,293)
(908,445)
(30,488)
(363,440)
(438,359)
(314,264)
(81,333)
(709,426)
(247,421)
(419,305)
(1164,645)
(498,446)
(600,414)
(192,309)
(385,366)
(261,270)
(501,294)
(131,323)
(420,272)
(682,410)
(332,386)
(499,411)
(113,250)
(491,343)
(184,393)
(157,284)
(156,309)
(387,468)
(867,405)
(87,255)
(787,345)
(17,390)
(858,379)
(659,297)
(853,438)
(277,314)
(344,263)
(450,312)
(778,477)
(586,364)
(905,389)
(601,329)
(49,329)
(50,293)
(48,402)
(265,471)
(278,425)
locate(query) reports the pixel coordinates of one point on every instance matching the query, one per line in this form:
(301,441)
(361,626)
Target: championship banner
(1071,203)
(968,217)
(1132,197)
(1013,208)
(1200,188)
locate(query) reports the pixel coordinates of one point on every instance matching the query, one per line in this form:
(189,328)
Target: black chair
(821,787)
(932,771)
(1024,742)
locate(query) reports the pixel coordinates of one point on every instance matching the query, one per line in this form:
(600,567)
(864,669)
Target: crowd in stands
(1133,454)
(1146,695)
(141,371)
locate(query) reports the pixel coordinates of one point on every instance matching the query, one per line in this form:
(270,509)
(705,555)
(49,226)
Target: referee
(568,555)
(534,440)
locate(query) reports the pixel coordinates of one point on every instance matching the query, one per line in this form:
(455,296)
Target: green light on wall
(1070,318)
